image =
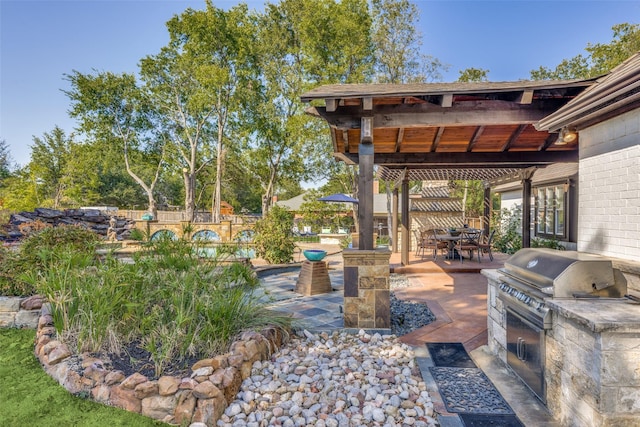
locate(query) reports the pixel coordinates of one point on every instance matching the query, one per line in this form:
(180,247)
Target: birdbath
(314,276)
(314,255)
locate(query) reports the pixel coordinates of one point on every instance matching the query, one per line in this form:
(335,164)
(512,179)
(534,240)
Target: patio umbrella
(338,198)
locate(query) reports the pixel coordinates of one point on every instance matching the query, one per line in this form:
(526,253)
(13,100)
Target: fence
(178,216)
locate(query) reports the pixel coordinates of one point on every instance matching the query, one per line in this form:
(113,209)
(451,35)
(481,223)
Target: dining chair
(431,241)
(484,244)
(419,243)
(467,242)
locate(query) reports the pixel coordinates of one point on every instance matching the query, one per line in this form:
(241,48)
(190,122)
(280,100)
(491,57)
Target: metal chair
(485,246)
(468,243)
(419,243)
(430,241)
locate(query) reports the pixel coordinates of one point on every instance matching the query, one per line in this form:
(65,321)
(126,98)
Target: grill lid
(563,273)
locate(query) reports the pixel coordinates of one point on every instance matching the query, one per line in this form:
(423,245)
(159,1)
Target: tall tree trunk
(216,199)
(189,194)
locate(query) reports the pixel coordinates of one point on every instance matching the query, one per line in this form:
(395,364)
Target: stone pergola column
(366,289)
(366,270)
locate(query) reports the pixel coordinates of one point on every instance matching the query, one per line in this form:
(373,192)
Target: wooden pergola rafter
(479,130)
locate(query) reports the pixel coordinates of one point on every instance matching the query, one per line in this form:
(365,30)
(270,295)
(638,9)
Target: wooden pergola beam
(517,159)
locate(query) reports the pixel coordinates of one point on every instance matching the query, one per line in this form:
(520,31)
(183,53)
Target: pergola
(443,131)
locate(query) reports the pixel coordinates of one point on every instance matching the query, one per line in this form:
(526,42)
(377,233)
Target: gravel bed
(406,316)
(340,379)
(334,380)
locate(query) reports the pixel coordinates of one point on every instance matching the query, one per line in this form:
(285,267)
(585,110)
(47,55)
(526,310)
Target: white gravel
(334,380)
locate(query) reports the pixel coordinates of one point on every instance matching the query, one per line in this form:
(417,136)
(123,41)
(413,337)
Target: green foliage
(508,225)
(273,239)
(177,305)
(397,45)
(320,214)
(547,243)
(600,58)
(474,75)
(138,235)
(40,250)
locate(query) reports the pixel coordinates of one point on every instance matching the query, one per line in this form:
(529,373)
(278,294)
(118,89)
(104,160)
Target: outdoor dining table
(453,236)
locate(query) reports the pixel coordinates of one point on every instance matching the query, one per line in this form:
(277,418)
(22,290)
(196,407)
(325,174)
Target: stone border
(202,397)
(20,312)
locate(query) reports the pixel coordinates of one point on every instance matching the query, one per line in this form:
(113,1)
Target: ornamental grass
(170,302)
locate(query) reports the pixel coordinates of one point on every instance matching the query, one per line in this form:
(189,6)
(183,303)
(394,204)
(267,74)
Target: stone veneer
(20,312)
(592,359)
(201,397)
(366,289)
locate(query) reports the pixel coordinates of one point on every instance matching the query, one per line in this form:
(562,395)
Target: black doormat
(468,390)
(477,420)
(450,354)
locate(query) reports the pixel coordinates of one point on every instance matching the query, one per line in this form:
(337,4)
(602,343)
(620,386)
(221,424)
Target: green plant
(345,241)
(36,252)
(507,224)
(170,302)
(138,235)
(273,239)
(547,243)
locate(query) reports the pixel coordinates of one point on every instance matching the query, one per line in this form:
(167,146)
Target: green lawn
(29,397)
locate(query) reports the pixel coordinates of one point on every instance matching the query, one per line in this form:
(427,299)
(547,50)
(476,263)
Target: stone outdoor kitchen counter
(599,315)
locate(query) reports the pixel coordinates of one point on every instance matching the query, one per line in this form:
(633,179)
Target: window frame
(550,215)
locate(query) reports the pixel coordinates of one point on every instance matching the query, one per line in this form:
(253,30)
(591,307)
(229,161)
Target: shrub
(37,250)
(507,224)
(273,239)
(169,302)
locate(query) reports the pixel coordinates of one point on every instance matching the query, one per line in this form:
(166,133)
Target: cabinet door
(525,347)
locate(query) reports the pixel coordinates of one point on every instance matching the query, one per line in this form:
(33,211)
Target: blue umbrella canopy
(338,198)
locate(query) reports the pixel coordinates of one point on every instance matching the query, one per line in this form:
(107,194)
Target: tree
(113,107)
(20,191)
(474,75)
(599,59)
(5,161)
(317,213)
(198,82)
(398,58)
(49,157)
(301,44)
(274,238)
(397,45)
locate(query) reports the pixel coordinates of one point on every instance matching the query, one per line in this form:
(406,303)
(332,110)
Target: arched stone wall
(226,230)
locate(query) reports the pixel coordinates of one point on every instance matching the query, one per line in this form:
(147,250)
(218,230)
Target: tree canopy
(599,59)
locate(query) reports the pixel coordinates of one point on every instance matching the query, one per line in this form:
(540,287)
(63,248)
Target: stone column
(366,289)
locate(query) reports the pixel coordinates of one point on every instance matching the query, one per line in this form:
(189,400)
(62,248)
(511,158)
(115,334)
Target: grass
(28,396)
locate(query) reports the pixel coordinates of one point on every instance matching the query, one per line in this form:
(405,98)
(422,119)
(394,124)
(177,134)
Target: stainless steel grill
(528,278)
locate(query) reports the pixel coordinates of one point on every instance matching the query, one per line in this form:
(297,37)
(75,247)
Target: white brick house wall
(609,190)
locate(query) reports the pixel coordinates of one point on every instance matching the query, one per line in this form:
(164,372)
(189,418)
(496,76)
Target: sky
(42,40)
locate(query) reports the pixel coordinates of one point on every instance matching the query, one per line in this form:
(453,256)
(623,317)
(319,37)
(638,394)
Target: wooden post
(365,185)
(404,256)
(394,221)
(486,214)
(526,212)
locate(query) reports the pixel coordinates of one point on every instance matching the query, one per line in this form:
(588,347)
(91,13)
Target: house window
(551,211)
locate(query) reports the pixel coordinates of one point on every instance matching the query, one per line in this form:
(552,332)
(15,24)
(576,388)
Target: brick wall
(609,198)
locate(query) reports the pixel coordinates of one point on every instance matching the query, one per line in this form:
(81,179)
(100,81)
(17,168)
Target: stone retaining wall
(201,397)
(20,312)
